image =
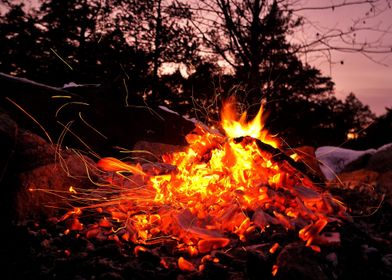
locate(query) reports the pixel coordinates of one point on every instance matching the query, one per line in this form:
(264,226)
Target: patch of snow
(194,120)
(334,159)
(27,81)
(71,84)
(74,85)
(384,147)
(167,110)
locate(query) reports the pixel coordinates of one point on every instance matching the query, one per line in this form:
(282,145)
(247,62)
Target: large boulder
(45,189)
(8,135)
(36,173)
(381,161)
(334,160)
(384,185)
(296,261)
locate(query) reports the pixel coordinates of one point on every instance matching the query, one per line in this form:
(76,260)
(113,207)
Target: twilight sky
(371,82)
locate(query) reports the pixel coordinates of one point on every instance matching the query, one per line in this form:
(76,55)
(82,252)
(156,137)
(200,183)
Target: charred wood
(278,156)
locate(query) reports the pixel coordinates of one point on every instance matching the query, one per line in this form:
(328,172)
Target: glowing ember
(219,187)
(185,265)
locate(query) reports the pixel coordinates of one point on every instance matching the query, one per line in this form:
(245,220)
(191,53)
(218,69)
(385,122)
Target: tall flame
(235,127)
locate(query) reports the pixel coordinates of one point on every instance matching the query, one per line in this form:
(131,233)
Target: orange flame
(115,165)
(238,128)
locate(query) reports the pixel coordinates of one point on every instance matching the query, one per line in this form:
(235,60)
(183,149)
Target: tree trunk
(255,82)
(157,51)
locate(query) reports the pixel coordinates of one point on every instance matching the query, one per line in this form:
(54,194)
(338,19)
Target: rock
(387,260)
(8,127)
(296,261)
(332,258)
(33,151)
(370,254)
(48,185)
(257,263)
(215,271)
(8,136)
(356,179)
(333,160)
(384,185)
(153,151)
(29,162)
(149,257)
(381,161)
(9,133)
(110,276)
(359,163)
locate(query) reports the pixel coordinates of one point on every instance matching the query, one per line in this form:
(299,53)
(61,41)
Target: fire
(238,128)
(220,186)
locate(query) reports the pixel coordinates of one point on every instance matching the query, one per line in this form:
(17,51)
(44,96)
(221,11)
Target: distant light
(352,135)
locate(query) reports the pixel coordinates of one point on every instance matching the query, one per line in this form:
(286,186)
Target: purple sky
(371,82)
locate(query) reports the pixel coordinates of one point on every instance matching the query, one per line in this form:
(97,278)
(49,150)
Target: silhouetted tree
(19,36)
(364,33)
(378,133)
(60,43)
(74,37)
(162,29)
(357,116)
(251,36)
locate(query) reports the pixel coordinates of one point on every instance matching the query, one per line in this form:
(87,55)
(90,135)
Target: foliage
(378,133)
(19,35)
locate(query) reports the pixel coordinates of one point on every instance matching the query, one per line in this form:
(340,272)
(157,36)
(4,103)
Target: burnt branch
(279,157)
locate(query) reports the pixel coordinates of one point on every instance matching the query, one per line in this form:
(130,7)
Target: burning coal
(222,188)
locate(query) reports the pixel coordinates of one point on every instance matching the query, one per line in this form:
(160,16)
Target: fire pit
(223,192)
(228,206)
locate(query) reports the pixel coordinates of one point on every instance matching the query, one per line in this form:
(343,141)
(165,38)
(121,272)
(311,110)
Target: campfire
(222,191)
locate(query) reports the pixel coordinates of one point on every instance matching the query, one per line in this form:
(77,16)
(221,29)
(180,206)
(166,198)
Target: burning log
(277,156)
